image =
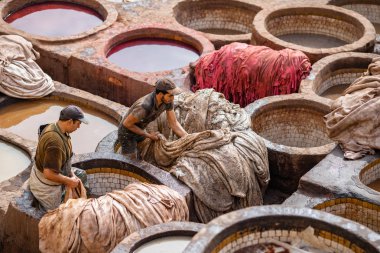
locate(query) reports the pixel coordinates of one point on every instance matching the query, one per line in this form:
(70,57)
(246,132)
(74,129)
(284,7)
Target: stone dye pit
(254,227)
(316,30)
(354,209)
(37,18)
(221,21)
(40,19)
(294,132)
(333,74)
(152,55)
(24,119)
(170,237)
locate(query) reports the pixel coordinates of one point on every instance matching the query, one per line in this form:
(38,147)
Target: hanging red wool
(245,73)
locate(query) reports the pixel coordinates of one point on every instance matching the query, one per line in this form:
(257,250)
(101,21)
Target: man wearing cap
(51,170)
(145,110)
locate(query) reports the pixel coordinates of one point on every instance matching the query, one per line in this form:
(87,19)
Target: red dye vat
(152,55)
(54,19)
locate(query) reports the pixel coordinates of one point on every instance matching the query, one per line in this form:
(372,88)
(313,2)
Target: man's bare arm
(130,124)
(50,174)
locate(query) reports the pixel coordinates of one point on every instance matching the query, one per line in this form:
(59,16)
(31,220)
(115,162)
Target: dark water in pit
(24,118)
(335,91)
(377,27)
(152,55)
(54,19)
(312,40)
(13,160)
(221,31)
(375,185)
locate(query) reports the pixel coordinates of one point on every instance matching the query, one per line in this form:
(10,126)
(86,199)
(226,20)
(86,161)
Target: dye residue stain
(152,55)
(24,118)
(54,19)
(313,40)
(13,160)
(169,244)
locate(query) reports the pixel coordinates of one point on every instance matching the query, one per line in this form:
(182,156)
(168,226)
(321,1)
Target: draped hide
(222,160)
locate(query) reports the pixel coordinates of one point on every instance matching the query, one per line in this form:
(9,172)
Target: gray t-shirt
(145,110)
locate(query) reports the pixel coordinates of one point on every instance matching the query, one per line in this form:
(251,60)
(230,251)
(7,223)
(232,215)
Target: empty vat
(24,118)
(295,134)
(368,8)
(316,30)
(354,209)
(221,21)
(243,230)
(172,237)
(331,75)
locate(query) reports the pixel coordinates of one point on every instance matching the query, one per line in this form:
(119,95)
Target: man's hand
(153,136)
(72,182)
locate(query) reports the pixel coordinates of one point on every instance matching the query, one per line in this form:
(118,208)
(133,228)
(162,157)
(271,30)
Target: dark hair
(162,91)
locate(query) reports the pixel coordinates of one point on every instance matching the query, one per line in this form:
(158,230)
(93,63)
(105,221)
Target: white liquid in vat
(169,244)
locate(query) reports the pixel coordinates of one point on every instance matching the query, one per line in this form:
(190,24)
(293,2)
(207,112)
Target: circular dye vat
(152,55)
(315,29)
(54,19)
(313,40)
(333,74)
(169,244)
(295,134)
(24,118)
(13,160)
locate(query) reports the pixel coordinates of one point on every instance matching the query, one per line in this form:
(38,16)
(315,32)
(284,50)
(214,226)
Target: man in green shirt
(52,167)
(145,110)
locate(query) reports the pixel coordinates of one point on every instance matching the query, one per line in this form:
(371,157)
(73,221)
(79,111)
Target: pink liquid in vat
(54,19)
(152,55)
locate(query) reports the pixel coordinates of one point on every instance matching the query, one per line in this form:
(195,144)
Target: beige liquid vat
(13,160)
(168,244)
(335,91)
(312,40)
(24,118)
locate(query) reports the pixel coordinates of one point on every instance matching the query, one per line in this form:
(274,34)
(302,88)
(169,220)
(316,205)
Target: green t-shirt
(145,110)
(53,149)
